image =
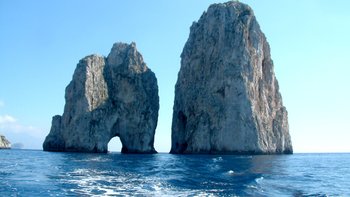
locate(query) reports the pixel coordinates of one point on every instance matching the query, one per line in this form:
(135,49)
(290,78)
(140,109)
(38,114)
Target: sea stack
(107,97)
(227,99)
(4,143)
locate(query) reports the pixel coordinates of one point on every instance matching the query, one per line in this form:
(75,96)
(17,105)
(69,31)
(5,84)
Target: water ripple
(37,173)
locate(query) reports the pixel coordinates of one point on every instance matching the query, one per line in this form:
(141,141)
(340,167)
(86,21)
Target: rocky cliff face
(4,143)
(227,97)
(108,96)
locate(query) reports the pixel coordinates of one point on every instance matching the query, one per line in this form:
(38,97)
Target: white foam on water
(157,187)
(231,172)
(258,180)
(90,182)
(107,191)
(200,194)
(252,186)
(94,159)
(218,159)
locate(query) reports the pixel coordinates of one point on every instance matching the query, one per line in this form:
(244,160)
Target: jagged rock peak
(108,97)
(130,55)
(4,143)
(227,97)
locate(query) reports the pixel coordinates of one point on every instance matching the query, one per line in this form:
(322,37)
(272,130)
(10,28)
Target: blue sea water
(38,173)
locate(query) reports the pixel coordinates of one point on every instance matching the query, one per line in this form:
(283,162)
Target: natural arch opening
(114,144)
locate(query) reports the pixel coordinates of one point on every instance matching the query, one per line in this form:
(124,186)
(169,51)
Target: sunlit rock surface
(227,97)
(107,97)
(4,143)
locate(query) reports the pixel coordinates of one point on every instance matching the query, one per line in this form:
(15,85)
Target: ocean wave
(94,159)
(231,172)
(258,180)
(217,159)
(52,174)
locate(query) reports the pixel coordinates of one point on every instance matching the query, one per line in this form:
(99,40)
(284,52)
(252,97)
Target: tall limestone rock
(108,96)
(4,143)
(227,97)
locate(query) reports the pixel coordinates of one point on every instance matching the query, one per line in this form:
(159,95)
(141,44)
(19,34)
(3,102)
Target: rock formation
(4,143)
(107,97)
(17,145)
(227,98)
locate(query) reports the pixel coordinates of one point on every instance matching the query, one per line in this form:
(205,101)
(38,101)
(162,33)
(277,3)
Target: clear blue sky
(42,41)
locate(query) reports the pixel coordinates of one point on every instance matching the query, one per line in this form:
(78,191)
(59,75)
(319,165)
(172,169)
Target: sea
(39,173)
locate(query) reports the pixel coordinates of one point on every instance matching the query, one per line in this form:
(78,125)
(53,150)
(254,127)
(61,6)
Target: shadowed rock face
(227,98)
(108,97)
(4,143)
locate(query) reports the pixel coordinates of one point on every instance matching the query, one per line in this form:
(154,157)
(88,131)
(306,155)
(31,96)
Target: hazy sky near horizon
(42,41)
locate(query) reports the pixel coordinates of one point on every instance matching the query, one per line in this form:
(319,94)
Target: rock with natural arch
(107,97)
